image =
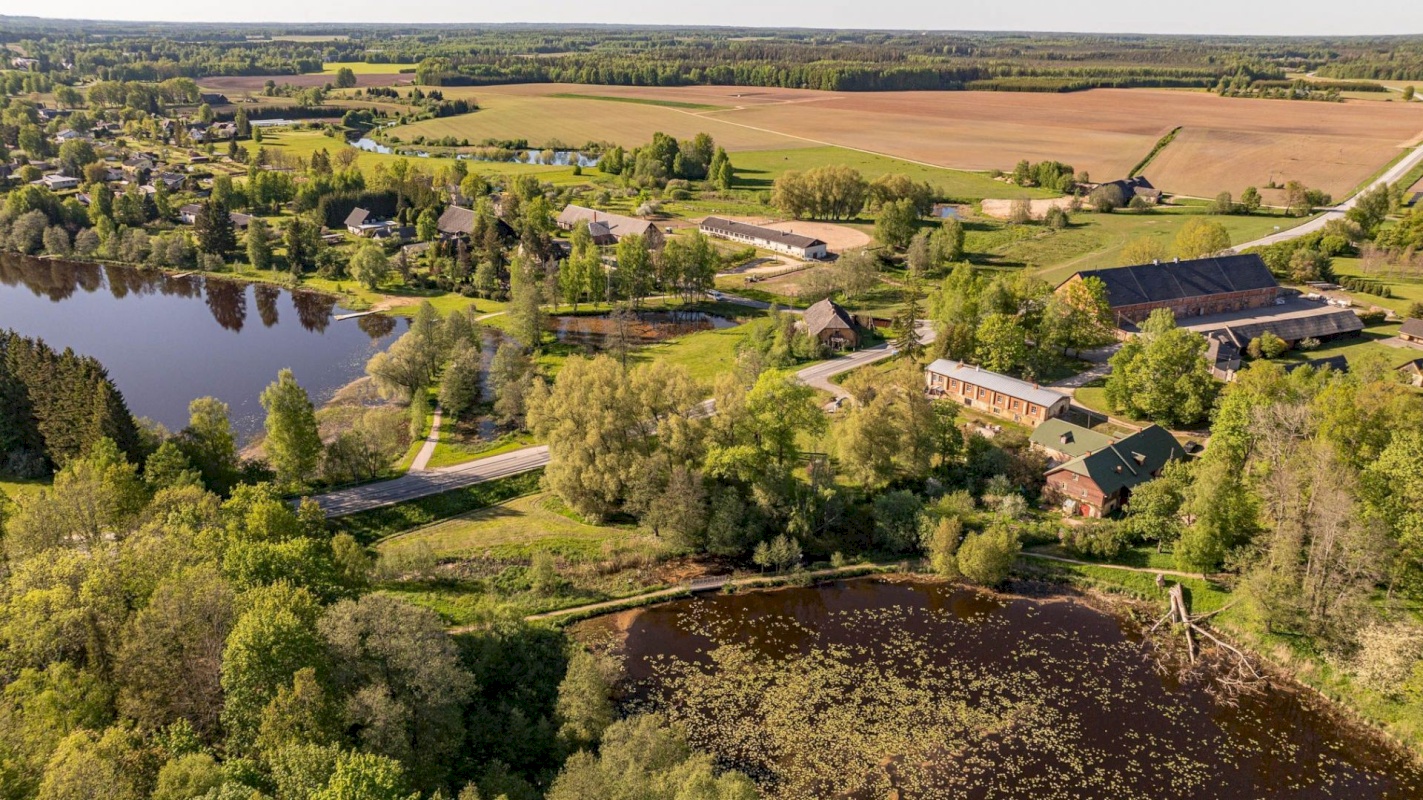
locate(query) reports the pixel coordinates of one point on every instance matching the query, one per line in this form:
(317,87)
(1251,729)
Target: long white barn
(765,238)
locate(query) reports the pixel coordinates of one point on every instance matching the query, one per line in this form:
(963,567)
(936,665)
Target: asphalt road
(1392,175)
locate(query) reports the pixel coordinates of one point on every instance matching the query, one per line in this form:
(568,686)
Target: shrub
(985,558)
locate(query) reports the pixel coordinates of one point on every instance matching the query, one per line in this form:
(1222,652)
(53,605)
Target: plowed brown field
(1225,143)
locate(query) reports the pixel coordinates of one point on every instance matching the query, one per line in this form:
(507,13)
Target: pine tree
(906,338)
(214,229)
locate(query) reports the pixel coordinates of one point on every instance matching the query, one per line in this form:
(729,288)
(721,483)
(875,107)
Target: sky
(1229,17)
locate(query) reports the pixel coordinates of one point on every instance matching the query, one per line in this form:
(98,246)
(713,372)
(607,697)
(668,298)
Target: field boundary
(1160,145)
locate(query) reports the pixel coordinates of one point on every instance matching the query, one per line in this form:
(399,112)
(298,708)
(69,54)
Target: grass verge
(378,523)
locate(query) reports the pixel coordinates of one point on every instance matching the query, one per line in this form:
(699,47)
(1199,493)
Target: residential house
(608,229)
(361,222)
(1193,288)
(1062,441)
(172,181)
(999,395)
(188,214)
(765,238)
(1412,330)
(58,183)
(832,326)
(240,221)
(69,135)
(1100,482)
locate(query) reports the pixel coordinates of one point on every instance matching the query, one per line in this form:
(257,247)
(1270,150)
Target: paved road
(413,485)
(421,483)
(1392,175)
(427,450)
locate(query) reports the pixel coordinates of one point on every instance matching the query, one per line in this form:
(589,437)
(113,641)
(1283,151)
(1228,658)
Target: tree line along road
(423,483)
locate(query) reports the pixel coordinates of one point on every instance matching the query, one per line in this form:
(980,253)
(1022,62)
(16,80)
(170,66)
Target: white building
(765,238)
(56,182)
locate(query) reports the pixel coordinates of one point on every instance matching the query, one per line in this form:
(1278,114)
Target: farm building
(1100,482)
(608,229)
(764,238)
(1223,354)
(1188,288)
(1062,441)
(1325,326)
(1412,330)
(832,326)
(1136,187)
(361,222)
(992,393)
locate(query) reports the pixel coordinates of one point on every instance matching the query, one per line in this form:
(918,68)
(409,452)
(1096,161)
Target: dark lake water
(863,688)
(166,340)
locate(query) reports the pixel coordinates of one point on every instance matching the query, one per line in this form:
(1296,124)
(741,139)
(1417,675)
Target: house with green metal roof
(1100,482)
(1061,441)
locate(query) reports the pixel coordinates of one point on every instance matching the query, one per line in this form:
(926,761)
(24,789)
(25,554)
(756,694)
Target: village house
(361,222)
(59,183)
(1193,288)
(765,238)
(609,229)
(1000,395)
(1412,330)
(1061,441)
(188,214)
(1098,483)
(832,326)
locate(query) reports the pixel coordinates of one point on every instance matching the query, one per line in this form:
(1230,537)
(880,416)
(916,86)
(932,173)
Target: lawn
(1095,241)
(477,566)
(376,524)
(515,529)
(22,490)
(451,448)
(759,168)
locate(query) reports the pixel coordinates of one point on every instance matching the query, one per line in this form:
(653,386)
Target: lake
(166,340)
(861,688)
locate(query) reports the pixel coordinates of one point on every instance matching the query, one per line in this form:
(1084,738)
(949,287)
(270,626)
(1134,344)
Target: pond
(557,158)
(602,331)
(166,339)
(860,688)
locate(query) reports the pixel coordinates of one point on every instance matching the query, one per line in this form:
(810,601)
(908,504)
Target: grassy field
(758,169)
(18,490)
(451,448)
(477,565)
(364,68)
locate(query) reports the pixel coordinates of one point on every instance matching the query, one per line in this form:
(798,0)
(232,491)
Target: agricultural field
(366,68)
(1225,143)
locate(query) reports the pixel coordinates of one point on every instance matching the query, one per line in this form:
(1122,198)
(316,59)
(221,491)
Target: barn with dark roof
(1193,288)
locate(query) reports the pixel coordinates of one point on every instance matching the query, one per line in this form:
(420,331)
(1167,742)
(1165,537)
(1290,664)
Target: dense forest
(657,56)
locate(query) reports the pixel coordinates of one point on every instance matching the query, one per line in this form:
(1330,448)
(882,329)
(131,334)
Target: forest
(657,56)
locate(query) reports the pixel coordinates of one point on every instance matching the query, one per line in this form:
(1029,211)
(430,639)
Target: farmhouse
(1412,330)
(1188,288)
(1097,483)
(1137,187)
(1061,441)
(832,326)
(608,228)
(361,222)
(764,238)
(992,393)
(458,222)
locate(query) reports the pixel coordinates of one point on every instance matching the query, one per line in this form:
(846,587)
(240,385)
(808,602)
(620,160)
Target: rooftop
(757,232)
(1013,387)
(1064,437)
(1177,280)
(1129,462)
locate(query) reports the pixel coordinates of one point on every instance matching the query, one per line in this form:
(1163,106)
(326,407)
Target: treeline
(55,406)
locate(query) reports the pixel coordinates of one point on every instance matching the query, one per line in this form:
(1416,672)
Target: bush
(985,558)
(1097,538)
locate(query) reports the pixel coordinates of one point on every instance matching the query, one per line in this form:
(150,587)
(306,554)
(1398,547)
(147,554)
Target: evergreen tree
(214,230)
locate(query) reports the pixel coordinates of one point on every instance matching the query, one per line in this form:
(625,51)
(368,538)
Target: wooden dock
(353,315)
